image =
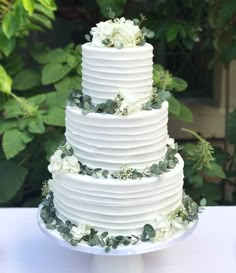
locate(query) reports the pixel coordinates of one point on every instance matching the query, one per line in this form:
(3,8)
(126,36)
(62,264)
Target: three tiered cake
(119,174)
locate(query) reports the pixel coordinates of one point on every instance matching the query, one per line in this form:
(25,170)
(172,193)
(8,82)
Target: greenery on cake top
(164,227)
(120,105)
(120,32)
(63,159)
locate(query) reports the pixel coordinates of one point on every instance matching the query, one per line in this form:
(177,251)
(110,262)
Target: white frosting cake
(107,70)
(106,141)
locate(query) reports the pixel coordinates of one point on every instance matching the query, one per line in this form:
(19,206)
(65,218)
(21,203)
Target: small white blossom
(80,231)
(171,142)
(128,104)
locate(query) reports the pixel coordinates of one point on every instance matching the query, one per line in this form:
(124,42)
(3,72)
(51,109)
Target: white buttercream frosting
(118,206)
(107,70)
(108,141)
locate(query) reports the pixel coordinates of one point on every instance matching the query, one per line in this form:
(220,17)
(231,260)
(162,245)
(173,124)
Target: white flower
(71,164)
(55,161)
(128,104)
(117,33)
(50,184)
(67,163)
(80,231)
(171,142)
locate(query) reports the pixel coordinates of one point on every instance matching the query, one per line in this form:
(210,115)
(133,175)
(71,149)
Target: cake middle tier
(111,141)
(106,71)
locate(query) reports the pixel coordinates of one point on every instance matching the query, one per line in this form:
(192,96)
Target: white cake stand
(125,259)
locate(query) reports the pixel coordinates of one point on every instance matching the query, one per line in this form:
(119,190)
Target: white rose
(55,161)
(71,164)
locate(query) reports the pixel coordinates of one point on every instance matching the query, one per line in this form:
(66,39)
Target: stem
(23,160)
(192,133)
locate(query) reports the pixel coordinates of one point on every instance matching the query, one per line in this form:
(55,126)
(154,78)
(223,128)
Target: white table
(210,249)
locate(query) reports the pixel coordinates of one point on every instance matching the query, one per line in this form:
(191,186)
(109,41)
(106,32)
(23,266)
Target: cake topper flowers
(119,33)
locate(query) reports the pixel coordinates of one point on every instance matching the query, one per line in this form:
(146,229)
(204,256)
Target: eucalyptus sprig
(156,169)
(157,98)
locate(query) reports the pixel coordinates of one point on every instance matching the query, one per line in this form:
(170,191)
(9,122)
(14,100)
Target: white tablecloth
(210,249)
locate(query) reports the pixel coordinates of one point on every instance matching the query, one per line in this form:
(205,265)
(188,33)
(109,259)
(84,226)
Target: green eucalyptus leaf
(27,79)
(54,72)
(14,141)
(5,81)
(12,179)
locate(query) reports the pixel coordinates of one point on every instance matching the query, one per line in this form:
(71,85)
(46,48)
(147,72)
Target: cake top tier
(119,33)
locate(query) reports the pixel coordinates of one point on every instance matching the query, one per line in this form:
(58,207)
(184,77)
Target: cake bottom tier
(121,207)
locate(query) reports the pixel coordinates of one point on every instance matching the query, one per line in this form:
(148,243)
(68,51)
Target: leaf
(52,73)
(116,6)
(178,84)
(36,126)
(172,33)
(14,64)
(27,79)
(185,113)
(47,12)
(41,20)
(12,109)
(6,45)
(69,84)
(11,24)
(55,116)
(49,4)
(7,124)
(53,139)
(5,81)
(174,106)
(196,180)
(28,5)
(14,141)
(12,179)
(231,128)
(214,170)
